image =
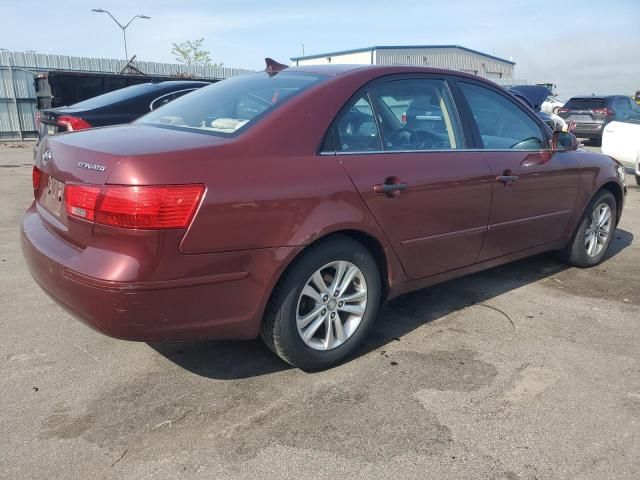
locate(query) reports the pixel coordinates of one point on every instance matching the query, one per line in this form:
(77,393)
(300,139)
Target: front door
(534,189)
(406,160)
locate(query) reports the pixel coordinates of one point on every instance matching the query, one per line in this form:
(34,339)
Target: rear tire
(594,233)
(288,326)
(638,180)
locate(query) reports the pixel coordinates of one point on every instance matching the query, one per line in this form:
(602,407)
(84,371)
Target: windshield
(116,96)
(228,107)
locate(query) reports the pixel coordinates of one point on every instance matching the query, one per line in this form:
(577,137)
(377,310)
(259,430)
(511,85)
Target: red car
(290,203)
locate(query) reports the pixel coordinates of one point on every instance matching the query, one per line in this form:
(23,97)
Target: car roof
(596,97)
(376,70)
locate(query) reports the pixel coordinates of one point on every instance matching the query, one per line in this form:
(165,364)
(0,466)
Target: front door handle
(390,189)
(507,179)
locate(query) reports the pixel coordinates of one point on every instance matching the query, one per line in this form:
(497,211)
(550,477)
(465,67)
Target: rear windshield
(116,96)
(586,103)
(228,107)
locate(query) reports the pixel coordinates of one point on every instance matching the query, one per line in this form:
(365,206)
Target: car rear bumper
(225,302)
(588,130)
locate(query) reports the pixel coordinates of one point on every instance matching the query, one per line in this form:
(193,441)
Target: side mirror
(563,141)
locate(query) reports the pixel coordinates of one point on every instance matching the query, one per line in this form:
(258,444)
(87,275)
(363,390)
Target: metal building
(453,57)
(18,94)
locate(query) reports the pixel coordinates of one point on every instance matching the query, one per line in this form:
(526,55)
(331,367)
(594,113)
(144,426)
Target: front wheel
(593,236)
(638,180)
(324,305)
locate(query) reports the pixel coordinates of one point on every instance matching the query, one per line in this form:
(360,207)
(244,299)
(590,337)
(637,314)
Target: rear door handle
(390,189)
(506,179)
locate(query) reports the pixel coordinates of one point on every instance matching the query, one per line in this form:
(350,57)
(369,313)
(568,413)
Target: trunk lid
(90,157)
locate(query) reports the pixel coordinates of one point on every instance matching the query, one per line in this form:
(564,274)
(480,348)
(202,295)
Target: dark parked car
(534,96)
(113,108)
(591,114)
(289,204)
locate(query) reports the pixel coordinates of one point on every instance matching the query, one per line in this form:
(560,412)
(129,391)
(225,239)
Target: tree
(192,53)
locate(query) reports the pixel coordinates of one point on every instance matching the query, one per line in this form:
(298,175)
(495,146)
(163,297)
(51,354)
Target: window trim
(461,100)
(189,90)
(363,91)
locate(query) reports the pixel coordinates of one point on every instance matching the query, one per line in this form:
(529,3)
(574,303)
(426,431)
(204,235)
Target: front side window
(502,124)
(400,115)
(228,107)
(416,114)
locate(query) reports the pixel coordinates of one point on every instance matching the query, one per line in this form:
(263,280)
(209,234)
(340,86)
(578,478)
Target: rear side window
(169,97)
(586,103)
(622,106)
(502,124)
(356,128)
(117,96)
(228,107)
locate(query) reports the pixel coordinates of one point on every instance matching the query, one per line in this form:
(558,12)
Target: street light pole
(122,27)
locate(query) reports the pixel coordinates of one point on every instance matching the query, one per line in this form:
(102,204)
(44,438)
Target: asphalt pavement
(526,371)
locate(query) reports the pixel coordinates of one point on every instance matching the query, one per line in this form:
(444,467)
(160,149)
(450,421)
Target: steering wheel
(424,140)
(402,136)
(523,143)
(415,139)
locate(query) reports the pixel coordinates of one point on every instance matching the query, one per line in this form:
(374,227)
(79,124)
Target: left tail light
(36,176)
(134,206)
(72,123)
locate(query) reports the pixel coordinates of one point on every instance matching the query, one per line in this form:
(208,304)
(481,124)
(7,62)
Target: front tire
(638,180)
(324,305)
(594,234)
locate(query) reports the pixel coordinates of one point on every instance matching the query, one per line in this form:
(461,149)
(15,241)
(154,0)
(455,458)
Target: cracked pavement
(526,371)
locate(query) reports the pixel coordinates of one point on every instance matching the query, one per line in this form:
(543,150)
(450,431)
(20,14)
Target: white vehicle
(551,105)
(621,140)
(559,122)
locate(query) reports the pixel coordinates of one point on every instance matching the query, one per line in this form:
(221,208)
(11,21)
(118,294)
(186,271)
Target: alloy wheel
(331,305)
(598,231)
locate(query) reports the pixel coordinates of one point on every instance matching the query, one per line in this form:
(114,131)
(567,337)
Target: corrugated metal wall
(17,104)
(43,62)
(452,58)
(17,90)
(438,57)
(342,59)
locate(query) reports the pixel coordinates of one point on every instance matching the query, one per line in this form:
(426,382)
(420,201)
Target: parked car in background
(590,114)
(113,108)
(289,203)
(621,140)
(551,104)
(534,96)
(637,97)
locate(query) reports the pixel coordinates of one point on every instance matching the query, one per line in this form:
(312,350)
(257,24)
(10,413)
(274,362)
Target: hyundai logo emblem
(46,156)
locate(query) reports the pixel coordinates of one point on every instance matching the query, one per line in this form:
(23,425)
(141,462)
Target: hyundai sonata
(290,203)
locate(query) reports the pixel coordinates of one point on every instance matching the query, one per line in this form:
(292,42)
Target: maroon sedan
(289,204)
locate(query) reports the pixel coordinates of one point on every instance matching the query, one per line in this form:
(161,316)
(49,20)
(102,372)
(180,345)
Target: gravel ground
(531,370)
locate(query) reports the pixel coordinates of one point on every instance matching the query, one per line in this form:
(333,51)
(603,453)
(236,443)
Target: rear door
(534,189)
(408,162)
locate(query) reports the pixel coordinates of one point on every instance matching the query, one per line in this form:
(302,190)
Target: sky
(582,46)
